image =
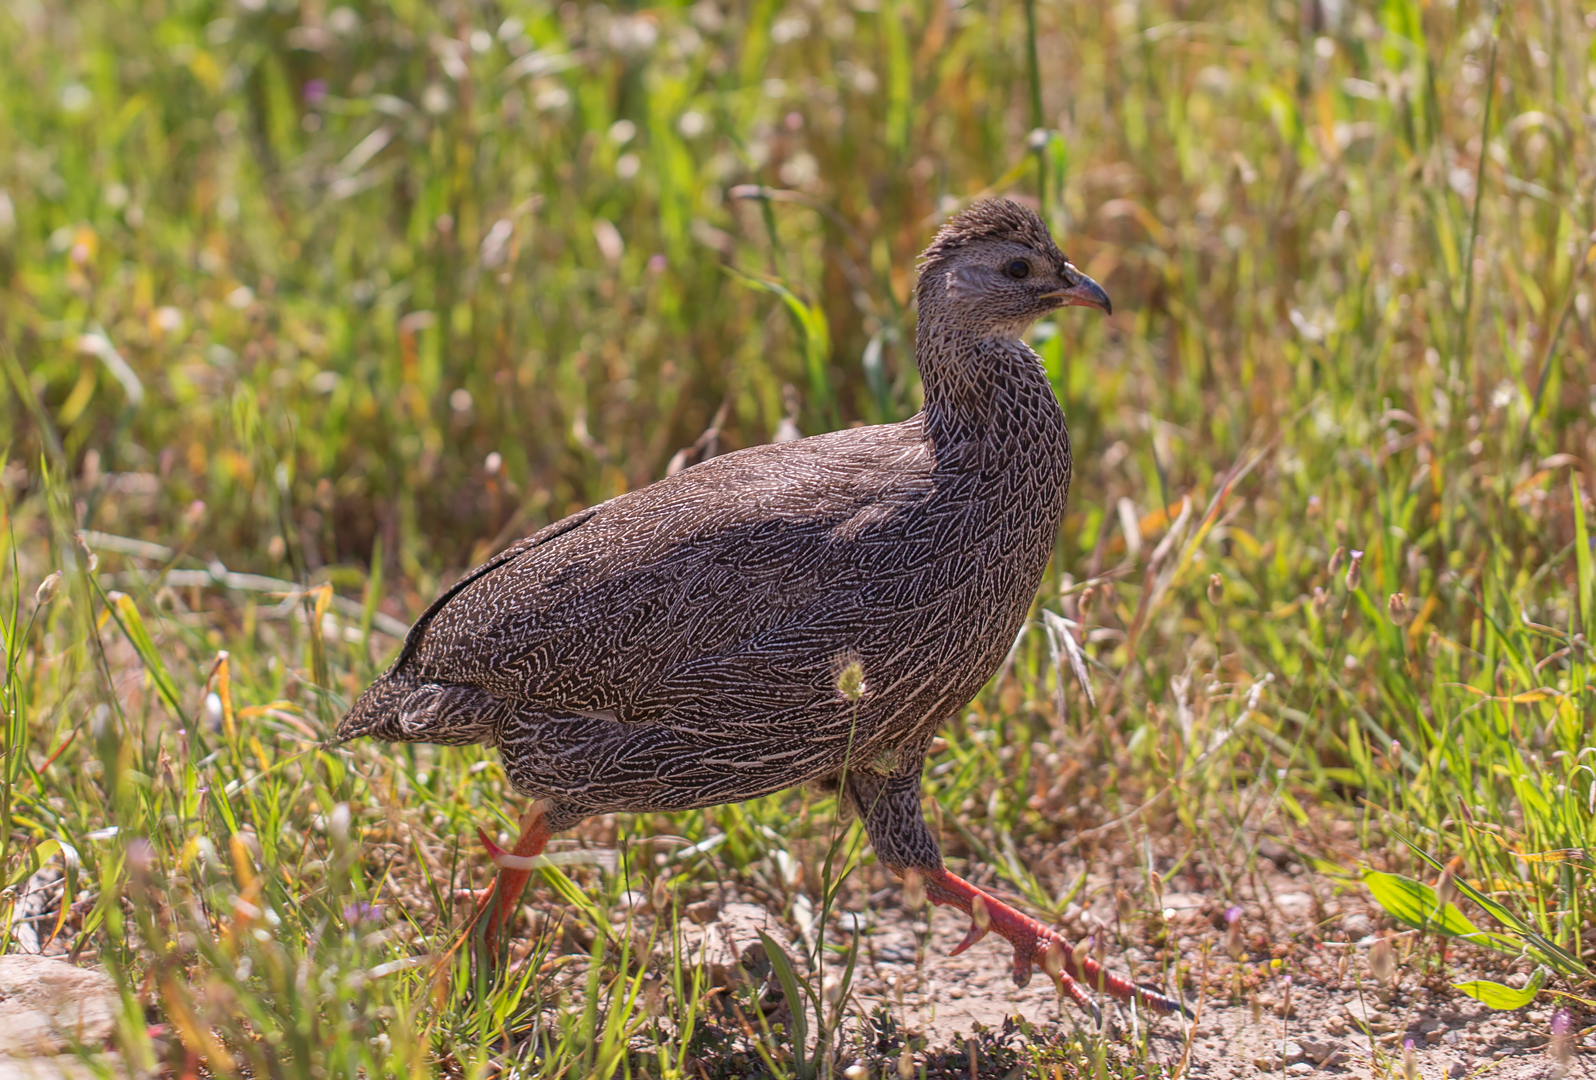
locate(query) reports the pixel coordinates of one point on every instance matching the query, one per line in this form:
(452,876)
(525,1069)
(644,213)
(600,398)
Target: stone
(1298,904)
(730,946)
(1299,1068)
(1357,925)
(1316,1049)
(48,1006)
(1457,1070)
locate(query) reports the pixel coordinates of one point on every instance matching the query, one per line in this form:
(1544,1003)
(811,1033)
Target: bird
(805,612)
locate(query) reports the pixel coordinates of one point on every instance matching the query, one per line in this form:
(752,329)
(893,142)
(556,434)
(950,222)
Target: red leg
(514,870)
(1037,946)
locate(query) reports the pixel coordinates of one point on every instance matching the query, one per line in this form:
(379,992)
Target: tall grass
(327,303)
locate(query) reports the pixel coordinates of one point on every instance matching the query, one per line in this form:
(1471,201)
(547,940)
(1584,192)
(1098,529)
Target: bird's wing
(774,544)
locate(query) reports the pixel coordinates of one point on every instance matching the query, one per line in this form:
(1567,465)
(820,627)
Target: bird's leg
(1036,945)
(890,807)
(515,867)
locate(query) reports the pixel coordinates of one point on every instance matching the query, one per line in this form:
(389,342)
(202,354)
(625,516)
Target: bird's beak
(1084,293)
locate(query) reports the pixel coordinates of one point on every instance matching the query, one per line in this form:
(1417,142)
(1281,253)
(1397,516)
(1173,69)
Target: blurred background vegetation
(351,295)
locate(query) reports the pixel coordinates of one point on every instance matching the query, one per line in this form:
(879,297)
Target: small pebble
(1300,1068)
(1357,925)
(1456,1070)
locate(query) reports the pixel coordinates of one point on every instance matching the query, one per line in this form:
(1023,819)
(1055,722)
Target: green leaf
(811,322)
(781,963)
(1493,995)
(126,614)
(1416,904)
(1544,949)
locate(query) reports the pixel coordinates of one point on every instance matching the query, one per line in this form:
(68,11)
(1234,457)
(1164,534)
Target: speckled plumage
(679,646)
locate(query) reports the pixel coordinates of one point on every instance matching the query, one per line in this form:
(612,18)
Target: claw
(1022,967)
(1034,944)
(971,936)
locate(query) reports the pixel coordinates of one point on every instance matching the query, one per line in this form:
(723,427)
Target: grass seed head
(1410,1061)
(1216,588)
(906,1064)
(850,681)
(1396,607)
(1338,559)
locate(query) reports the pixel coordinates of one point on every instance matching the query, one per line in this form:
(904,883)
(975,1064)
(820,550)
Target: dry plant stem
(1037,946)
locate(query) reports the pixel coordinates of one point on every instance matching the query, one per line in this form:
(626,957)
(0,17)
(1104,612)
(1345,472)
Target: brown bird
(683,645)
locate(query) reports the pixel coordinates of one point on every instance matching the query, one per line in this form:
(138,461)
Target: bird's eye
(1018,269)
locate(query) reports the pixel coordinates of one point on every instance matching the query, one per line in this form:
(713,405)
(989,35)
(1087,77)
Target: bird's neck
(980,389)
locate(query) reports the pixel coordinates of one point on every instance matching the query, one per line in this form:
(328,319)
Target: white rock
(48,1006)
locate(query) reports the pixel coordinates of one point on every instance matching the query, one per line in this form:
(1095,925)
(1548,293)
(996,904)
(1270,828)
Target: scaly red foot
(515,867)
(1037,946)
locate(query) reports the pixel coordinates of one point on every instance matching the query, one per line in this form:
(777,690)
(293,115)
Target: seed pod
(1216,588)
(1235,948)
(1410,1061)
(831,990)
(1396,607)
(913,890)
(91,560)
(1382,961)
(1337,558)
(660,897)
(906,1064)
(1562,1037)
(1354,570)
(47,589)
(1321,600)
(1053,959)
(979,914)
(1446,884)
(1081,952)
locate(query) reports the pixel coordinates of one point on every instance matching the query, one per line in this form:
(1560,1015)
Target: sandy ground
(1300,1002)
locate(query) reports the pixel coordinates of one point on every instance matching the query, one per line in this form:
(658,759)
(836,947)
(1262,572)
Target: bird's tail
(399,709)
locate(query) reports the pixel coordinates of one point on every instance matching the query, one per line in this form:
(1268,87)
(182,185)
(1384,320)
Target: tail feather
(397,709)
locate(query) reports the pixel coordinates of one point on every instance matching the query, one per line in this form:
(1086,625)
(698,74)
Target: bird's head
(993,269)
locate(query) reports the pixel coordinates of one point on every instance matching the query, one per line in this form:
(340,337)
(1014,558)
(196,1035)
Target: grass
(345,298)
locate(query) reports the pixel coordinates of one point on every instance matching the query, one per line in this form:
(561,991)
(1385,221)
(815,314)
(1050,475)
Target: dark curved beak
(1084,293)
